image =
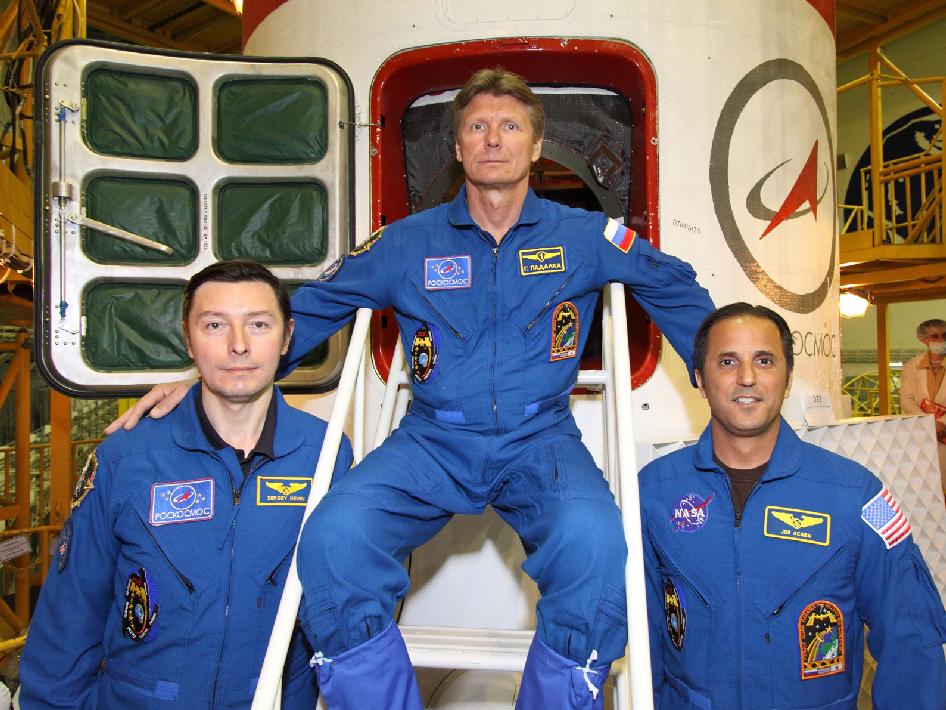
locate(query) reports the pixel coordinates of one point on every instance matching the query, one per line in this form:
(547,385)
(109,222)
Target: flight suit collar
(189,431)
(786,457)
(458,214)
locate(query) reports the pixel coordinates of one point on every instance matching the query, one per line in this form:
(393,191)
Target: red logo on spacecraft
(795,190)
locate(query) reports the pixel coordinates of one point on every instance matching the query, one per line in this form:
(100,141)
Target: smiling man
(170,567)
(494,294)
(766,556)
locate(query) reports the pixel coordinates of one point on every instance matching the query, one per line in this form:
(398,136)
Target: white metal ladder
(492,649)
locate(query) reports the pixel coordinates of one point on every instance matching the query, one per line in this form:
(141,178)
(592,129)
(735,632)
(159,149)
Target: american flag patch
(883,515)
(619,235)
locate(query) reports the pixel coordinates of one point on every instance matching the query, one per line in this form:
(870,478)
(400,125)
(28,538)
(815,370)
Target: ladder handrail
(268,688)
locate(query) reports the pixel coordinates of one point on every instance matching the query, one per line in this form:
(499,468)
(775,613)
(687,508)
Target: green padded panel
(162,210)
(272,222)
(277,120)
(139,115)
(134,326)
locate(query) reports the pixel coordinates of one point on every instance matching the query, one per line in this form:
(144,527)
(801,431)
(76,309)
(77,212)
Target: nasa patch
(140,614)
(564,332)
(282,490)
(182,502)
(331,269)
(424,350)
(368,243)
(86,481)
(447,272)
(65,540)
(690,513)
(675,612)
(544,260)
(821,640)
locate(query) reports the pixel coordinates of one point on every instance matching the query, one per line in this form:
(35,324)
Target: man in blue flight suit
(765,556)
(171,565)
(494,294)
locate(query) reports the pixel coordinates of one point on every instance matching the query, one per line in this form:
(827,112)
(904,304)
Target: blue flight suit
(769,613)
(494,335)
(170,570)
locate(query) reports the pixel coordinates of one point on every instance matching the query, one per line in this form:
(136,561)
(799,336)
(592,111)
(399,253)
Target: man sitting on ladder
(493,293)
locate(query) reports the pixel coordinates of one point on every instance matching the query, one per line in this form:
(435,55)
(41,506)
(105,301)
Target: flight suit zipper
(737,549)
(551,300)
(236,494)
(492,364)
(188,585)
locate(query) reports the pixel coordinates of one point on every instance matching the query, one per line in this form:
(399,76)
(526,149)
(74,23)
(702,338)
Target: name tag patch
(446,272)
(182,502)
(797,525)
(544,260)
(285,490)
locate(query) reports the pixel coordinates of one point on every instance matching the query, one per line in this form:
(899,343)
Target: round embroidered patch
(821,640)
(141,607)
(424,353)
(65,540)
(675,612)
(331,269)
(690,513)
(86,481)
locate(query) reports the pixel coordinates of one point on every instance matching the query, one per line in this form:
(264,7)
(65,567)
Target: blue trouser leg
(557,500)
(352,548)
(350,565)
(377,675)
(552,682)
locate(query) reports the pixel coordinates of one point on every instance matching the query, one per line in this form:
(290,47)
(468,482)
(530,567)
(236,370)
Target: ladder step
(483,649)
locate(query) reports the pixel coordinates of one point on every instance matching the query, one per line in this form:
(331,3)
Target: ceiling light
(852,305)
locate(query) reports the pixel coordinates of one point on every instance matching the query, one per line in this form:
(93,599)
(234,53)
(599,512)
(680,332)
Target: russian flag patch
(883,515)
(619,235)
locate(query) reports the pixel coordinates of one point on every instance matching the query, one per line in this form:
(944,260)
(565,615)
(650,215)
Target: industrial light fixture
(853,304)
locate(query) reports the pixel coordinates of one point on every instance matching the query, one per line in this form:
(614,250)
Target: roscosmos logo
(771,166)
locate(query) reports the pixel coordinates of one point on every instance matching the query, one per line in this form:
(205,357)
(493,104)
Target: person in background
(923,387)
(170,567)
(765,556)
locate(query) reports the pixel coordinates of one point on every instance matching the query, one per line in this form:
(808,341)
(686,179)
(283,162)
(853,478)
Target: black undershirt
(741,483)
(264,445)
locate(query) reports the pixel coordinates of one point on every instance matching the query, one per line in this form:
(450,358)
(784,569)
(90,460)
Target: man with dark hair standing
(494,293)
(765,556)
(923,384)
(170,567)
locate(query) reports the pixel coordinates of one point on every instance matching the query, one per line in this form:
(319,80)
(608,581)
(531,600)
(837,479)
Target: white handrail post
(270,677)
(642,697)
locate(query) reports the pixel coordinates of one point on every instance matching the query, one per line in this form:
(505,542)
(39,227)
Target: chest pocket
(154,619)
(812,632)
(438,338)
(689,622)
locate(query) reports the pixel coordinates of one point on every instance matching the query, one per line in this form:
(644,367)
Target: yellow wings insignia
(285,488)
(797,522)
